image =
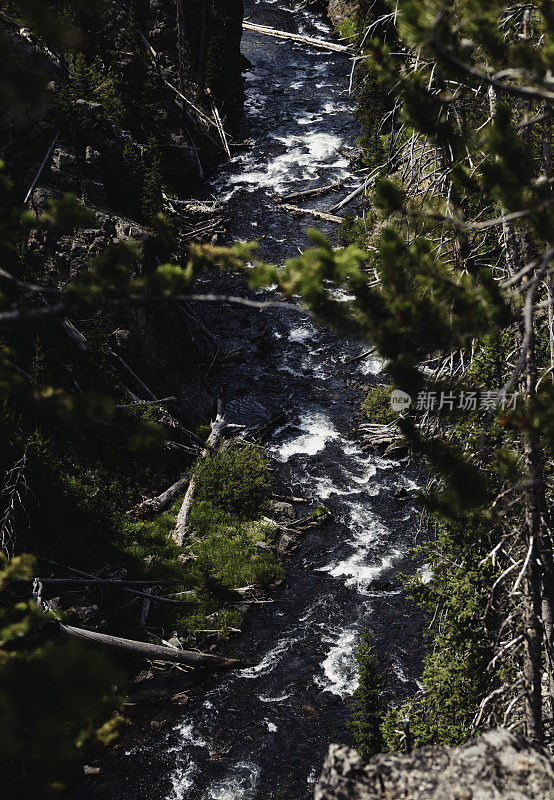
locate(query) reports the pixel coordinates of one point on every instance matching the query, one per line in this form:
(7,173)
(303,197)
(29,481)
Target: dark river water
(245,736)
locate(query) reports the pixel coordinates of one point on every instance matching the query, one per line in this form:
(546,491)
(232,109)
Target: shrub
(235,479)
(376,405)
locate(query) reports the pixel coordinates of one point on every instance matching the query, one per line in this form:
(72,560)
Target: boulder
(496,766)
(287,543)
(282,512)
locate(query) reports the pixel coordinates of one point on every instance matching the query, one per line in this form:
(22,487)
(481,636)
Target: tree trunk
(156,652)
(218,426)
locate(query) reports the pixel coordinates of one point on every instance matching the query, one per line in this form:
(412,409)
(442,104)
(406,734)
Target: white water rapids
(262,733)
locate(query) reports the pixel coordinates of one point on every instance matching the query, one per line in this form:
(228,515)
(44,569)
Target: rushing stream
(246,735)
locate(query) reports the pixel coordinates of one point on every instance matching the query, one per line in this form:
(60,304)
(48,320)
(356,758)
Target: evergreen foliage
(368,702)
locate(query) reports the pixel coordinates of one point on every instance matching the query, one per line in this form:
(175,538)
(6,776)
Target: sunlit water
(247,735)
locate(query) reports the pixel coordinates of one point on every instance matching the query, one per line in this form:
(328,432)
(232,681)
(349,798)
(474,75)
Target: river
(246,736)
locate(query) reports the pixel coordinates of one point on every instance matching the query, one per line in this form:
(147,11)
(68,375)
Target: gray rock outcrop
(496,766)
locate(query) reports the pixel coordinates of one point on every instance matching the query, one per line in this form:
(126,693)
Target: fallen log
(385,438)
(361,356)
(180,448)
(307,193)
(369,181)
(204,117)
(296,37)
(82,582)
(218,426)
(155,651)
(257,433)
(156,504)
(311,212)
(348,199)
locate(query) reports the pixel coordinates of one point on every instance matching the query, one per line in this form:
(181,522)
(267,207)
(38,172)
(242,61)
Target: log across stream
(261,733)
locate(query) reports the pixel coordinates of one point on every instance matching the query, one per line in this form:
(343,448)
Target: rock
(149,697)
(496,766)
(401,491)
(181,699)
(64,160)
(88,770)
(287,543)
(282,512)
(156,724)
(380,585)
(123,338)
(310,711)
(91,155)
(96,192)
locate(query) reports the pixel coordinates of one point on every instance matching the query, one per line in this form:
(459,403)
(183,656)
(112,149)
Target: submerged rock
(496,766)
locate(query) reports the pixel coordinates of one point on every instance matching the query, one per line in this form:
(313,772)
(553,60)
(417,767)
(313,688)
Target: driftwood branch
(44,162)
(148,402)
(361,356)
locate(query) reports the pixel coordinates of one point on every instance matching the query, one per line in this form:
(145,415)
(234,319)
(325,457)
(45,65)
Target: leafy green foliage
(235,479)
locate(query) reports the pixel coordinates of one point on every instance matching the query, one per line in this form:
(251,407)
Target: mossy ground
(219,554)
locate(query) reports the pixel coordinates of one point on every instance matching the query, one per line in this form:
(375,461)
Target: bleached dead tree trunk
(218,426)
